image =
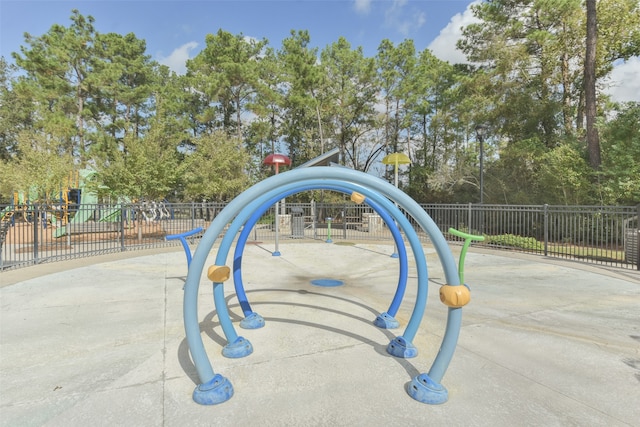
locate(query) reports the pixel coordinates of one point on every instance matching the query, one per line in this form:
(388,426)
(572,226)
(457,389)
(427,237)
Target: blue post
(183,239)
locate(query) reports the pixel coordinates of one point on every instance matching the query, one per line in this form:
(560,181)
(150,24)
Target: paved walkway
(542,343)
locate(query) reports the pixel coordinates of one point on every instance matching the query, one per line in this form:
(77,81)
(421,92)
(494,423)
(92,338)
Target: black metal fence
(597,234)
(37,234)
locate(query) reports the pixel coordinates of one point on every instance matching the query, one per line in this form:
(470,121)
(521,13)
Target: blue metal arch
(239,346)
(253,320)
(219,386)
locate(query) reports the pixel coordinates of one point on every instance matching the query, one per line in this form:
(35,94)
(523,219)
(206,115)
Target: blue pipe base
(217,390)
(400,347)
(241,347)
(386,321)
(252,321)
(425,390)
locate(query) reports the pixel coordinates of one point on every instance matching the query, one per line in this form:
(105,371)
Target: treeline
(77,98)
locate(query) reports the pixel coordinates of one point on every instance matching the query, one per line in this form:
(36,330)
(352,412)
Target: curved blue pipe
(268,199)
(183,239)
(241,217)
(402,256)
(192,330)
(244,234)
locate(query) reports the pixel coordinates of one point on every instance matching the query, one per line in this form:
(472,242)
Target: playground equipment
(68,205)
(20,207)
(182,237)
(276,160)
(32,206)
(84,205)
(364,188)
(82,198)
(253,320)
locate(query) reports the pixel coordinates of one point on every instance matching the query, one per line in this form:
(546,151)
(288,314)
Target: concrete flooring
(102,343)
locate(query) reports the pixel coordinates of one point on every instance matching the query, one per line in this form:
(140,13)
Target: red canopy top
(277,159)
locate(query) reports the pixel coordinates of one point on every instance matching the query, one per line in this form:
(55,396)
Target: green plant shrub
(513,241)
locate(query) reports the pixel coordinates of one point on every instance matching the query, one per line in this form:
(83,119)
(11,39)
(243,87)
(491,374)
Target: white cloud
(625,81)
(444,46)
(362,7)
(402,20)
(177,60)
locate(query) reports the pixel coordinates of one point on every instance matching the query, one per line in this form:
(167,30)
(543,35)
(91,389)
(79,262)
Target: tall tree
(351,83)
(303,110)
(524,44)
(395,70)
(16,112)
(591,102)
(226,70)
(57,66)
(267,104)
(122,81)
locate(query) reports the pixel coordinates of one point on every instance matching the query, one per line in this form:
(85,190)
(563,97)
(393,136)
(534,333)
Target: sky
(175,30)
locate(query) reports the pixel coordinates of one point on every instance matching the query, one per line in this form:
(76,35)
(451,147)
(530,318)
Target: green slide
(112,215)
(84,212)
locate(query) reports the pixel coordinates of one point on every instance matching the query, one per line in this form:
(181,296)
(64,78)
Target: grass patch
(532,244)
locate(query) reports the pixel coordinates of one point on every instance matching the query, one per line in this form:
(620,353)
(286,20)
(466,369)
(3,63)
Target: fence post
(193,215)
(255,231)
(344,222)
(638,237)
(36,223)
(546,229)
(469,217)
(313,219)
(122,224)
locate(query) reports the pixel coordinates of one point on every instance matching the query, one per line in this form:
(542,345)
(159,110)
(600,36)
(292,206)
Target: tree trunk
(580,112)
(593,139)
(566,95)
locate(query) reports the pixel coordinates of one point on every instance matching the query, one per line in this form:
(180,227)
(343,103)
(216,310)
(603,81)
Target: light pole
(480,131)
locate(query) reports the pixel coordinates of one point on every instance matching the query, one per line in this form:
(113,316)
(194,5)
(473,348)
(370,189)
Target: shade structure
(277,160)
(396,159)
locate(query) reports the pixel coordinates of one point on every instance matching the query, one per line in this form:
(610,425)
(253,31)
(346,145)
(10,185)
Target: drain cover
(327,282)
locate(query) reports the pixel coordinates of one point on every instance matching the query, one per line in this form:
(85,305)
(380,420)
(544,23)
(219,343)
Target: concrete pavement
(542,343)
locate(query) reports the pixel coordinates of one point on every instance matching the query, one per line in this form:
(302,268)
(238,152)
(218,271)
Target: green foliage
(621,156)
(79,97)
(14,112)
(513,241)
(215,170)
(226,71)
(513,178)
(145,168)
(565,176)
(351,86)
(41,168)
